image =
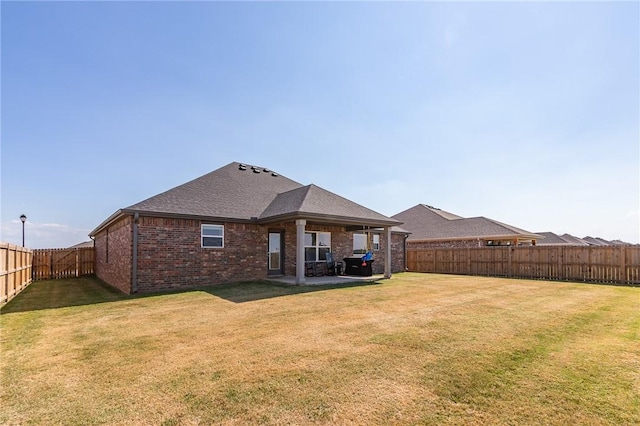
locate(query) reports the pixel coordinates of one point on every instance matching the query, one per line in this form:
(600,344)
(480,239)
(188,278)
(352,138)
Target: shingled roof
(430,223)
(551,239)
(241,192)
(314,202)
(235,191)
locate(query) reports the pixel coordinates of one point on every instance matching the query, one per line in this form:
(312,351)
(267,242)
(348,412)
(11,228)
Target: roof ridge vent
(242,167)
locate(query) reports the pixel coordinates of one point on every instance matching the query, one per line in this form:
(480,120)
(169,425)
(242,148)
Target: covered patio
(327,279)
(313,210)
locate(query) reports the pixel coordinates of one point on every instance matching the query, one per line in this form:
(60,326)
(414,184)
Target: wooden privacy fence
(62,263)
(611,264)
(15,270)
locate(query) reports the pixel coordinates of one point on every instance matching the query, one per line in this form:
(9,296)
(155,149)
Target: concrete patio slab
(328,279)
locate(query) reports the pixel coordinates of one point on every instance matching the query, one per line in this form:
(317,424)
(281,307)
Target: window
(212,236)
(360,245)
(376,242)
(316,246)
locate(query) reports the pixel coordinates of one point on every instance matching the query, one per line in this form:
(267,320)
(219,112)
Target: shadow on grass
(63,293)
(259,290)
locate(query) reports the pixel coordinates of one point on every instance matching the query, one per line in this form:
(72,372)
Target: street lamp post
(23,219)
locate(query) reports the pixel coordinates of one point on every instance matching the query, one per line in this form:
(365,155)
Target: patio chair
(314,269)
(333,267)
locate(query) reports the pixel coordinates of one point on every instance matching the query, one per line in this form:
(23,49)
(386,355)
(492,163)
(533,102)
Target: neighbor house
(551,239)
(238,223)
(432,227)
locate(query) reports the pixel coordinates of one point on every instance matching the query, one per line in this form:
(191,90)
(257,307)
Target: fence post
(6,277)
(623,267)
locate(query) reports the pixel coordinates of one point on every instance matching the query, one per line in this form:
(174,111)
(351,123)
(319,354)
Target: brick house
(238,223)
(433,227)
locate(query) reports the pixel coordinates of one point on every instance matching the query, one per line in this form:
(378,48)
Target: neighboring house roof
(83,244)
(596,241)
(429,223)
(551,239)
(574,240)
(240,192)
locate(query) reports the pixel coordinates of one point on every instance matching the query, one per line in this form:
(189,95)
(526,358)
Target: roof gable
(552,239)
(312,200)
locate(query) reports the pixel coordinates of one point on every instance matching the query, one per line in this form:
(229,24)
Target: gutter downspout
(404,252)
(134,269)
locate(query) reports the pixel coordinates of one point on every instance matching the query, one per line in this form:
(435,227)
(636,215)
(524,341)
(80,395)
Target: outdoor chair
(333,267)
(314,269)
(309,269)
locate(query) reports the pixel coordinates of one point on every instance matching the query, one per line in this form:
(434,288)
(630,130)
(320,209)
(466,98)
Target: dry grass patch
(417,349)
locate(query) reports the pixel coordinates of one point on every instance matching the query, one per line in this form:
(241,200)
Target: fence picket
(63,263)
(612,264)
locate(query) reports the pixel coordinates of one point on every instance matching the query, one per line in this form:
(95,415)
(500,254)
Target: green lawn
(417,349)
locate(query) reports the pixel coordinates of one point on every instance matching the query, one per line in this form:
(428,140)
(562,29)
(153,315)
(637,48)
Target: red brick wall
(170,255)
(397,253)
(113,248)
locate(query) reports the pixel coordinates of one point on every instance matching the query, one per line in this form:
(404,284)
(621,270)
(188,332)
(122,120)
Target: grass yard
(417,349)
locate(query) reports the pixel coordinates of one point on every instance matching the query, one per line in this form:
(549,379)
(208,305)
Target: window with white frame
(360,244)
(376,242)
(316,246)
(212,236)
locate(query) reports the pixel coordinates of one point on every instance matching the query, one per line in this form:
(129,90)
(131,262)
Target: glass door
(275,253)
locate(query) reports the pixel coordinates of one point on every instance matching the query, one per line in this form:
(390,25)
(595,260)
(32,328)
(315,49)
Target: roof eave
(338,220)
(149,213)
(478,237)
(108,221)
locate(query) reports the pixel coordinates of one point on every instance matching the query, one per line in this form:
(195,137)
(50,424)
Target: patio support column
(300,226)
(387,255)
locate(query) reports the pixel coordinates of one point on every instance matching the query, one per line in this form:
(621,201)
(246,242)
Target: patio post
(300,227)
(387,255)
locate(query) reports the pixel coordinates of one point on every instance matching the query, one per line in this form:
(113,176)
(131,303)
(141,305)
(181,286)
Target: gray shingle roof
(574,240)
(551,239)
(313,201)
(228,192)
(596,241)
(559,240)
(428,223)
(240,192)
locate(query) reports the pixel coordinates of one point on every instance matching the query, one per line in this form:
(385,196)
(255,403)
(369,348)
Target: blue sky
(523,112)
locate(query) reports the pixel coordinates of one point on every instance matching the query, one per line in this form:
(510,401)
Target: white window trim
(202,236)
(357,249)
(318,246)
(376,244)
